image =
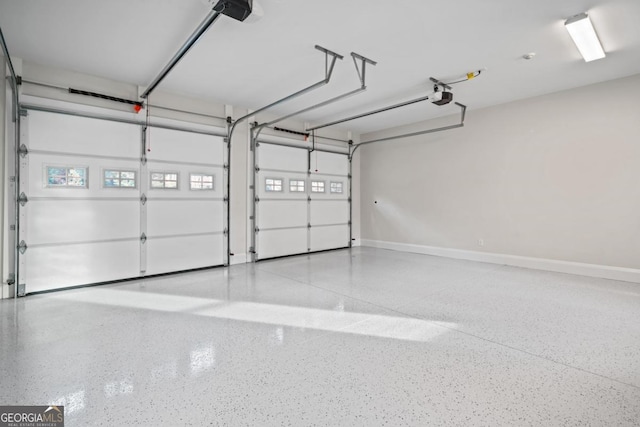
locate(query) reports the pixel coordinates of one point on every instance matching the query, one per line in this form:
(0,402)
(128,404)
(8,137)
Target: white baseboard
(582,269)
(239,259)
(356,242)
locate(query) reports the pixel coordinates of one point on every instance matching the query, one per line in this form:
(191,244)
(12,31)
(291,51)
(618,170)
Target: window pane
(77,172)
(57,180)
(128,175)
(157,176)
(56,171)
(170,184)
(111,174)
(75,182)
(157,184)
(111,182)
(207,185)
(128,183)
(196,178)
(171,177)
(207,178)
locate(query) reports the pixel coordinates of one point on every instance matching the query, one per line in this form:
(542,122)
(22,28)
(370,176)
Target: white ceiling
(253,64)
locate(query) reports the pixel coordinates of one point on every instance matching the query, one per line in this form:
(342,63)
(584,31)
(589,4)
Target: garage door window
(272,185)
(296,186)
(164,180)
(114,178)
(200,181)
(67,176)
(335,187)
(317,186)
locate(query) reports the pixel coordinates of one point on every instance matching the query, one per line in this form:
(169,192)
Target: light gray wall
(555,177)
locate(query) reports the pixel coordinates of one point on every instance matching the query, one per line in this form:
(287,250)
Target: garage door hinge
(22,247)
(22,199)
(143,199)
(349,199)
(225,166)
(257,169)
(257,230)
(225,232)
(308,198)
(23,150)
(257,199)
(225,199)
(143,160)
(308,225)
(349,176)
(143,238)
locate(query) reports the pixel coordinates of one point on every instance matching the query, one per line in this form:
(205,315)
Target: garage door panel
(166,217)
(278,214)
(51,221)
(38,186)
(54,267)
(179,146)
(275,243)
(329,163)
(183,253)
(184,174)
(329,212)
(276,157)
(286,178)
(329,237)
(81,135)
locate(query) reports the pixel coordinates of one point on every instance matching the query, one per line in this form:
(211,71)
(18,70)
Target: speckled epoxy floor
(364,337)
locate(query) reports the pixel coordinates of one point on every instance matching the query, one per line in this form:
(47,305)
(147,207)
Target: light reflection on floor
(375,325)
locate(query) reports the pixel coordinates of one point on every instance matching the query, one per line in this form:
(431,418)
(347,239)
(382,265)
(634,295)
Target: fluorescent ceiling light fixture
(584,36)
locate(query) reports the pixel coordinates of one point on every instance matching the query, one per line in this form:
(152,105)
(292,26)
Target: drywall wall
(553,177)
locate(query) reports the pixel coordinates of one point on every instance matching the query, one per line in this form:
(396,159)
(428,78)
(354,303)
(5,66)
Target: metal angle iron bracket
(330,58)
(361,77)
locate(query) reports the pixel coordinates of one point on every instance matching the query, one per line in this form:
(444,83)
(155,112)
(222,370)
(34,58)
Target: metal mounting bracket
(361,70)
(439,83)
(22,247)
(23,150)
(143,238)
(143,199)
(328,68)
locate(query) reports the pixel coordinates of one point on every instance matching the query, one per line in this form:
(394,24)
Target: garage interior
(272,212)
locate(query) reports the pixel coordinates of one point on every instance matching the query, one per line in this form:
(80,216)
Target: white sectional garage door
(93,212)
(302,200)
(185,218)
